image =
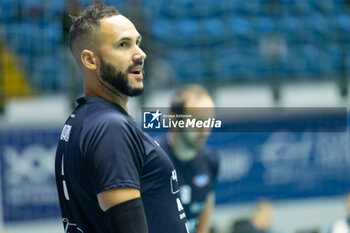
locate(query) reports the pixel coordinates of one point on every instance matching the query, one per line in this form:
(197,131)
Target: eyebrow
(138,40)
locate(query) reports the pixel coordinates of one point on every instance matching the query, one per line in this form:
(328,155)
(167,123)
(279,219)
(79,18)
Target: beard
(192,143)
(118,79)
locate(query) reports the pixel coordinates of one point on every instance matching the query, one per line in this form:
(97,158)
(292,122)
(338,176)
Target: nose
(204,132)
(139,55)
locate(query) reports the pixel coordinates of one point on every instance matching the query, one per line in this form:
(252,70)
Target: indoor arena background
(247,53)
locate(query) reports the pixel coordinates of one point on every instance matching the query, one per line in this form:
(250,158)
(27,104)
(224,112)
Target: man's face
(121,58)
(118,79)
(202,109)
(194,139)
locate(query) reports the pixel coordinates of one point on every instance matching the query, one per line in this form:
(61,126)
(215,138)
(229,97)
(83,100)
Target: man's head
(105,45)
(263,214)
(193,100)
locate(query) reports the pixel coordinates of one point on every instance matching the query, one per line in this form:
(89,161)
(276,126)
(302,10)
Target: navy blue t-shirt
(102,148)
(197,178)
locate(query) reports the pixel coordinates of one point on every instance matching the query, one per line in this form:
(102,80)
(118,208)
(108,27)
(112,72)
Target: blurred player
(260,220)
(196,164)
(111,177)
(343,225)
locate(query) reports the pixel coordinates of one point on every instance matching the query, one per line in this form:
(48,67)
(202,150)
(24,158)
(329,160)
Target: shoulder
(241,225)
(105,124)
(211,159)
(162,141)
(164,145)
(106,117)
(209,155)
(99,111)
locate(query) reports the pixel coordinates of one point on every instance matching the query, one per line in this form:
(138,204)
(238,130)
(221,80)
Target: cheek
(120,63)
(192,136)
(121,67)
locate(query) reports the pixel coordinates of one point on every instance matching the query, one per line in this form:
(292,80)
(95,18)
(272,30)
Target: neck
(181,150)
(108,93)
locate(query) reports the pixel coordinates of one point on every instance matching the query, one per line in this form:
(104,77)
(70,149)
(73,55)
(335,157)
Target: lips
(137,70)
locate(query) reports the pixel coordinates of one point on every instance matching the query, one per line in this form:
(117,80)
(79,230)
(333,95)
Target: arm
(124,209)
(112,197)
(204,218)
(114,157)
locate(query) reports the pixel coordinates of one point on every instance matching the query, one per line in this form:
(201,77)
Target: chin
(138,86)
(135,82)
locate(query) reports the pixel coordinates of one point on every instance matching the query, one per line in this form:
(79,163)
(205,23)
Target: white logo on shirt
(179,205)
(68,227)
(173,182)
(180,208)
(65,133)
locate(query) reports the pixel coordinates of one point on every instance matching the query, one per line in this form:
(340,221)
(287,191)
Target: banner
(27,174)
(281,165)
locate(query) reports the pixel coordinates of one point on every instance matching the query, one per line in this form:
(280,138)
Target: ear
(88,59)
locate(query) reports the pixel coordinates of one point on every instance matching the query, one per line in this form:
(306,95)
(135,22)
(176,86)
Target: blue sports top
(102,148)
(197,178)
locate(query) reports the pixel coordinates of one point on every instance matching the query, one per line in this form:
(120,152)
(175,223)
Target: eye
(122,44)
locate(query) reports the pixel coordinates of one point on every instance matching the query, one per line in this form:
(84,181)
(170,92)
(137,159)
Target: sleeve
(114,155)
(214,161)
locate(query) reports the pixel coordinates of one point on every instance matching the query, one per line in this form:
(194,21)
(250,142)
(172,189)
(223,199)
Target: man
(196,164)
(111,177)
(259,222)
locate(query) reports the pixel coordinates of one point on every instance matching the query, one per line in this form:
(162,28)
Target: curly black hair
(88,21)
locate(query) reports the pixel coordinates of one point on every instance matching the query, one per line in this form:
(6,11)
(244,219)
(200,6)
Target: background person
(195,163)
(259,222)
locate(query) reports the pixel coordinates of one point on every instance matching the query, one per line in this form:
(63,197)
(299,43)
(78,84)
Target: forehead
(203,101)
(201,108)
(117,27)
